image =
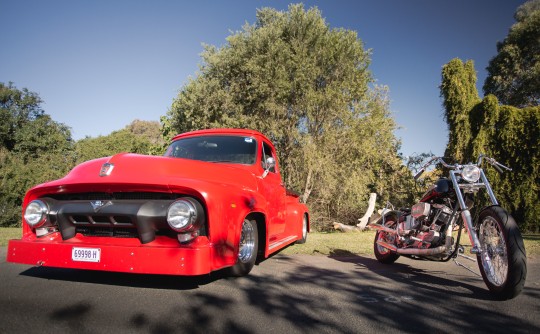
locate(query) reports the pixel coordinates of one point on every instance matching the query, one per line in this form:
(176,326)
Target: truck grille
(139,215)
(116,232)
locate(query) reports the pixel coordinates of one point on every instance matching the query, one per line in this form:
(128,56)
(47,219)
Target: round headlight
(470,173)
(36,213)
(181,215)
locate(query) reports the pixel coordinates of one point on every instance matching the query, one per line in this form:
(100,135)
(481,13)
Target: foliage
(149,130)
(511,135)
(505,133)
(306,86)
(33,149)
(416,188)
(167,133)
(17,108)
(458,89)
(138,137)
(514,73)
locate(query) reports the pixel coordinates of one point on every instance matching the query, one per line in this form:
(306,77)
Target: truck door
(274,192)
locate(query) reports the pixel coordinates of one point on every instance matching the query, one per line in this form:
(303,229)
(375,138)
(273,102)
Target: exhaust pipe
(423,251)
(413,251)
(383,228)
(387,246)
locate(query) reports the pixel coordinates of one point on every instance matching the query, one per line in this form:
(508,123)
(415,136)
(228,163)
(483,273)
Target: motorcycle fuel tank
(440,188)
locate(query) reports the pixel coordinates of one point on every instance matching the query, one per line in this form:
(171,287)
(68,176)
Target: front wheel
(247,249)
(502,262)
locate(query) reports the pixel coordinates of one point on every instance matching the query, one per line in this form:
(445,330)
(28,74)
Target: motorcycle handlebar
(497,165)
(419,173)
(440,160)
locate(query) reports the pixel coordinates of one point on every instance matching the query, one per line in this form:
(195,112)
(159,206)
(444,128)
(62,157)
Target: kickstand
(461,250)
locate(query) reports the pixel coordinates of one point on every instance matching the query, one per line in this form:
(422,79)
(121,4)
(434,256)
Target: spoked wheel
(383,254)
(502,262)
(247,249)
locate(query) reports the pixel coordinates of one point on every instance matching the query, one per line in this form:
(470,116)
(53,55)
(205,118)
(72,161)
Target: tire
(384,255)
(248,246)
(304,230)
(503,261)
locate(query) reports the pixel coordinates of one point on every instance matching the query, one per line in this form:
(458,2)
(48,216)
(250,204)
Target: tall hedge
(508,134)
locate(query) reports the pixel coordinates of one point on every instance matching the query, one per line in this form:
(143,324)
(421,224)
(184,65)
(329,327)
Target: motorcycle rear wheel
(502,262)
(383,254)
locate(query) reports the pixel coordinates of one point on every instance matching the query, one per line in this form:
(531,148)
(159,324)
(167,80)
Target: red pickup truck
(214,200)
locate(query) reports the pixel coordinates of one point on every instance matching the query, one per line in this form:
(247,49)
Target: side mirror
(270,163)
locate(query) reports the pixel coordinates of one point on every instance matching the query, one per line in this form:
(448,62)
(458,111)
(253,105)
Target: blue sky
(98,65)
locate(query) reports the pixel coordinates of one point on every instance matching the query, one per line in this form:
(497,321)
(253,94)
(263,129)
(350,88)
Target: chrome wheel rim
(247,242)
(494,256)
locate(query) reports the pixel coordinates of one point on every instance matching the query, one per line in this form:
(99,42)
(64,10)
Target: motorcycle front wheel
(502,262)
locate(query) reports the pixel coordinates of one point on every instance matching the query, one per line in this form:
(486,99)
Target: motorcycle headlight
(181,215)
(470,173)
(36,212)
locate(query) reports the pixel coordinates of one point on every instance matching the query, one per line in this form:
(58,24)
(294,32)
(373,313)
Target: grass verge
(335,243)
(338,244)
(7,233)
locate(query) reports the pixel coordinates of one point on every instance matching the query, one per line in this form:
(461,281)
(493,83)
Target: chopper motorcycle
(426,230)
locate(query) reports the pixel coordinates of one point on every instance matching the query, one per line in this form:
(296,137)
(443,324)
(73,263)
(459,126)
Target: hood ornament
(106,169)
(97,205)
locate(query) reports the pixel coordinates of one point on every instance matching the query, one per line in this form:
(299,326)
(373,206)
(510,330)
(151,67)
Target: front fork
(473,237)
(466,213)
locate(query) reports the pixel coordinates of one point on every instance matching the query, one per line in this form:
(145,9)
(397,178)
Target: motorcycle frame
(460,189)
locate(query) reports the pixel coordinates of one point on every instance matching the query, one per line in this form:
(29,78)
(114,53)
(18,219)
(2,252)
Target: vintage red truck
(215,200)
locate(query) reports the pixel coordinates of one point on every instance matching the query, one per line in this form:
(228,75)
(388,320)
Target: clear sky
(98,65)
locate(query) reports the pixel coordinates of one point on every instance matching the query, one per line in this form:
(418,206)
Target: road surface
(284,294)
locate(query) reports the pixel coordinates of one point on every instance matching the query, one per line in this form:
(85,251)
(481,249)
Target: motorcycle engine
(422,228)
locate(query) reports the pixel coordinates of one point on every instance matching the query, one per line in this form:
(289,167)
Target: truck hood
(135,172)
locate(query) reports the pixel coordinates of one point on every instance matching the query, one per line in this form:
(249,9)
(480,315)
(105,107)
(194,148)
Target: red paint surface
(228,192)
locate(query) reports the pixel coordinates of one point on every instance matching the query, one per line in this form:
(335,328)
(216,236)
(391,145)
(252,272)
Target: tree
(307,86)
(17,108)
(33,149)
(117,142)
(150,130)
(514,73)
(506,133)
(458,89)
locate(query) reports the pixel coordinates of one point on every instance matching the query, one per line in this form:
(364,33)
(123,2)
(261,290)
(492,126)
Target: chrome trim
(106,169)
(488,188)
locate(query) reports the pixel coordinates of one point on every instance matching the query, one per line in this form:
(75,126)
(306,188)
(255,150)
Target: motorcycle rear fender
(395,214)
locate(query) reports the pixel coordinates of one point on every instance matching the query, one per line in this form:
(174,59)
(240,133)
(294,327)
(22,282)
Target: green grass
(338,243)
(7,233)
(335,243)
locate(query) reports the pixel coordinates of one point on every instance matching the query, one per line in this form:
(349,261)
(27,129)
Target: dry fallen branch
(363,221)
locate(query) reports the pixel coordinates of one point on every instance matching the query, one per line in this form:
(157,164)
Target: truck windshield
(226,149)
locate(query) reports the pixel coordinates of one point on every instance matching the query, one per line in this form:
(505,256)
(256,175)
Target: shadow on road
(417,278)
(340,293)
(124,279)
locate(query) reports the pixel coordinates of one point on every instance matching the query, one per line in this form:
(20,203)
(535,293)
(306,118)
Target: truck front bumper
(167,257)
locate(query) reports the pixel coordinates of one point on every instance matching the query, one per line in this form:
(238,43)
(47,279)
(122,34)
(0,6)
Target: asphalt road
(296,294)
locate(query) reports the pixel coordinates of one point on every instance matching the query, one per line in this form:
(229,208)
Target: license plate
(86,254)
